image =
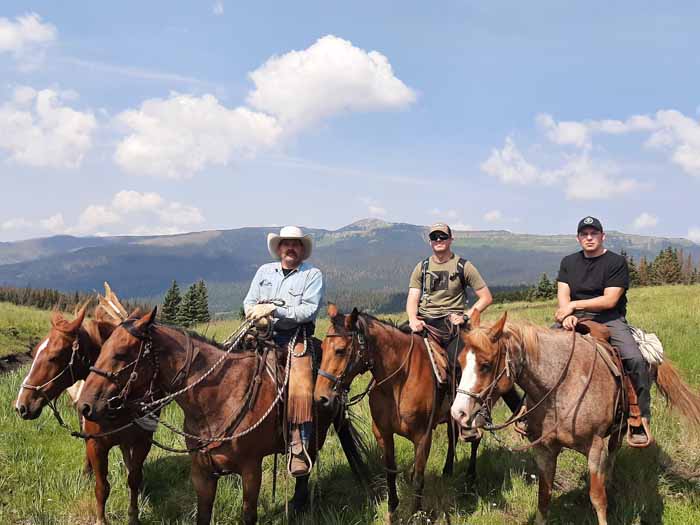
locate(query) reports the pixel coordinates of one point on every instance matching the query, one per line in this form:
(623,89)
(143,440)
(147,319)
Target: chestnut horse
(230,401)
(60,360)
(404,399)
(572,397)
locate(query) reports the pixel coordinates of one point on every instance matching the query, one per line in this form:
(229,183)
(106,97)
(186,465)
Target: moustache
(291,252)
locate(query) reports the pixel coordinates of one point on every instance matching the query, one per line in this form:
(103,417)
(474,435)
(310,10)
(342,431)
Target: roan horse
(403,400)
(572,397)
(233,417)
(63,358)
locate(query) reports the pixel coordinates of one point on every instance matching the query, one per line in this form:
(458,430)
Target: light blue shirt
(301,290)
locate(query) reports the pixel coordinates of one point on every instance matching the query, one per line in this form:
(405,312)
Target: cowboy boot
(299,463)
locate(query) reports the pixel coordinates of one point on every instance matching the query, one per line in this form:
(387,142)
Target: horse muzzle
(29,410)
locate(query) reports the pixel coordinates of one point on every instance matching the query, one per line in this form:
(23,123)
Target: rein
(68,368)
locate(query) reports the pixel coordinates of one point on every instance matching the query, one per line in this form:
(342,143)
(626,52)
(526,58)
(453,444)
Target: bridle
(145,351)
(75,353)
(358,349)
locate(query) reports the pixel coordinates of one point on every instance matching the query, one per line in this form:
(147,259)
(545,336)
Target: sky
(164,117)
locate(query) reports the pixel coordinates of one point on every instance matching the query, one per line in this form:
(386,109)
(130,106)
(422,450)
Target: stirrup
(647,432)
(298,456)
(520,426)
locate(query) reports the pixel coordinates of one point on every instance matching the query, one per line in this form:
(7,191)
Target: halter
(75,351)
(145,349)
(358,344)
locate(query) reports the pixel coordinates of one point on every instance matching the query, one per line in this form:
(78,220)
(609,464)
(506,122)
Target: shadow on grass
(167,485)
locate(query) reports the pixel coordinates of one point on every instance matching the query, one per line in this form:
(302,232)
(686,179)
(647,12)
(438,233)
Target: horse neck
(170,346)
(89,344)
(542,366)
(387,346)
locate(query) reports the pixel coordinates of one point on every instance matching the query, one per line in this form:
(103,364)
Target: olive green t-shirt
(445,293)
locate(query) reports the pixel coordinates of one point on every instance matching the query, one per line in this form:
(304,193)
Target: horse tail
(354,446)
(677,393)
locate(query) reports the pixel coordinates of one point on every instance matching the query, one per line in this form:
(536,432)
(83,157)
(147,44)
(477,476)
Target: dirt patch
(14,361)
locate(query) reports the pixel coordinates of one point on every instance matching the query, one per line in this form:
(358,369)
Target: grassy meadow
(41,480)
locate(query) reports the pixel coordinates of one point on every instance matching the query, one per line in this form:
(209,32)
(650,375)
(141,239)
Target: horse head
(124,370)
(485,378)
(59,361)
(344,357)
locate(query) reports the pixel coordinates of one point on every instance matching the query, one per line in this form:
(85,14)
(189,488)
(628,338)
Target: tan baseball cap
(440,227)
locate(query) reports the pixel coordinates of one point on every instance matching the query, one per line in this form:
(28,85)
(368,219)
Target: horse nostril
(22,409)
(86,410)
(324,401)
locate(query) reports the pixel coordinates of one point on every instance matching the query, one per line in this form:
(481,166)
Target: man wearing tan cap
(437,295)
(299,285)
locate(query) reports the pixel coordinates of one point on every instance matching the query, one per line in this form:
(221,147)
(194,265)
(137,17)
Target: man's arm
(412,310)
(484,300)
(310,301)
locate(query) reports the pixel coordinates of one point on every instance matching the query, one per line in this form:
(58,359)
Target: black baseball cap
(589,222)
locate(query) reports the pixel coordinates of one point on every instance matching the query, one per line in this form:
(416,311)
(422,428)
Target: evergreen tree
(544,289)
(688,268)
(633,272)
(644,272)
(186,312)
(666,268)
(201,303)
(171,304)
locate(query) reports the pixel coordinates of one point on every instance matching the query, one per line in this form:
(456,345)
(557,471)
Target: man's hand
(569,323)
(563,312)
(416,325)
(456,319)
(260,310)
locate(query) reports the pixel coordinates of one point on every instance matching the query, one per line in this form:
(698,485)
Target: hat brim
(273,242)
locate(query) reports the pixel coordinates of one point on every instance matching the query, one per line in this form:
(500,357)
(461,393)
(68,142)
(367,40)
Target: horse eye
(486,367)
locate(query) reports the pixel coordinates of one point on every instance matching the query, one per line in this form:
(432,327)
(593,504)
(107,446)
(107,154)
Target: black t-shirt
(589,277)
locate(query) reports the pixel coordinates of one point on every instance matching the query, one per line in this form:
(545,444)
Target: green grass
(40,480)
(21,327)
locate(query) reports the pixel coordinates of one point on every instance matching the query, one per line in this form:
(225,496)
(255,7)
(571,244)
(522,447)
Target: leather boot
(299,463)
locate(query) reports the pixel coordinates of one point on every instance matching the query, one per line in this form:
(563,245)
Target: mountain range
(367,257)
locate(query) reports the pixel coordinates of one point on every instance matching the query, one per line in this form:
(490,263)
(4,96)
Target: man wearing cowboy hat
(300,286)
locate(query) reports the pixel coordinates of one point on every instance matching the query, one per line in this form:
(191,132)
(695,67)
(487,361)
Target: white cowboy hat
(289,232)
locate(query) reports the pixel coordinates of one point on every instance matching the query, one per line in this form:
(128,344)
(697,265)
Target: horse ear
(475,319)
(147,320)
(496,331)
(56,318)
(332,310)
(75,323)
(351,320)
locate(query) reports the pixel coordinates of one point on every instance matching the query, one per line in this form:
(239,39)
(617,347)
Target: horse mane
(518,336)
(194,335)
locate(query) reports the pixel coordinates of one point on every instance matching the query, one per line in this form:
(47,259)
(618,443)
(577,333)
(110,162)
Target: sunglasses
(438,236)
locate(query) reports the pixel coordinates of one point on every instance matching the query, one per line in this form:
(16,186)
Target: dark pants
(452,345)
(632,360)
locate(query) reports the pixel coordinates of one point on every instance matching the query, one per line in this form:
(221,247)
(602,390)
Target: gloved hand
(260,310)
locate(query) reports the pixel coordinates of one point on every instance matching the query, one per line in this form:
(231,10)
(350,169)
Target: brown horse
(404,399)
(233,396)
(60,360)
(571,394)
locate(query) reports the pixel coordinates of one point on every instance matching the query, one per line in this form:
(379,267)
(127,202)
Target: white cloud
(681,135)
(130,201)
(694,234)
(37,130)
(17,223)
(218,8)
(573,133)
(26,38)
(180,214)
(377,211)
(94,217)
(330,77)
(54,224)
(181,135)
(493,216)
(509,165)
(450,214)
(645,220)
(460,226)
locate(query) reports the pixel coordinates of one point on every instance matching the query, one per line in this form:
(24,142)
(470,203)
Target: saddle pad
(649,345)
(438,360)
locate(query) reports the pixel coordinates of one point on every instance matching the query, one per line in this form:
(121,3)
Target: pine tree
(633,272)
(644,272)
(688,269)
(171,304)
(666,268)
(543,290)
(201,303)
(186,312)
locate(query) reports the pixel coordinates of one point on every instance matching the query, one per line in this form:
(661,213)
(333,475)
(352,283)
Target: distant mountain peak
(366,225)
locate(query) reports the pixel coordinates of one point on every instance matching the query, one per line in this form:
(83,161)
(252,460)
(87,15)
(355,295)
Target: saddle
(628,407)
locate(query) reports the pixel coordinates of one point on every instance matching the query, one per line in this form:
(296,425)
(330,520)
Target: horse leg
(138,456)
(386,443)
(252,476)
(87,466)
(598,469)
(449,460)
(205,487)
(422,451)
(99,459)
(471,471)
(301,494)
(546,460)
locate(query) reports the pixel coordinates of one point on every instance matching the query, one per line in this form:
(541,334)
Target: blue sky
(157,117)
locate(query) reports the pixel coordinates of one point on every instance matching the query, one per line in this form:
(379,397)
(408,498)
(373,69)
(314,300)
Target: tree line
(670,266)
(186,310)
(49,298)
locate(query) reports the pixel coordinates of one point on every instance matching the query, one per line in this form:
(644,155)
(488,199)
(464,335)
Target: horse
(231,402)
(572,397)
(63,359)
(404,398)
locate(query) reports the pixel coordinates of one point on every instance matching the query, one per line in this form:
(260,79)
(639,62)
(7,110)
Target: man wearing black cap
(593,283)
